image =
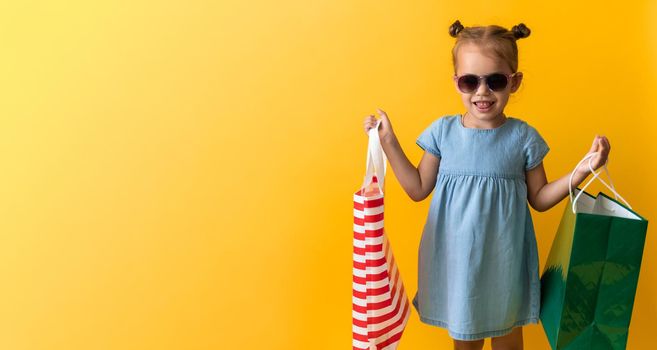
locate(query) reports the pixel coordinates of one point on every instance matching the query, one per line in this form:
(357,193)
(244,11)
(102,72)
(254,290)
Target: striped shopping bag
(380,307)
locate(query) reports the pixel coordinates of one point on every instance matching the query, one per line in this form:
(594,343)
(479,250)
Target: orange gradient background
(179,174)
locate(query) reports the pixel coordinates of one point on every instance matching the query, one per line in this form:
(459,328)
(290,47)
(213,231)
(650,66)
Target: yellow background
(179,174)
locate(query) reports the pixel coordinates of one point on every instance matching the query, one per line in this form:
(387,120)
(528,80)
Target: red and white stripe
(380,307)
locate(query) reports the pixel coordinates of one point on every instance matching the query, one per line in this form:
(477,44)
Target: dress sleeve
(429,139)
(535,148)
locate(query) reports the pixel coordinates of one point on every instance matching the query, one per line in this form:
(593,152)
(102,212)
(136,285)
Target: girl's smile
(484,106)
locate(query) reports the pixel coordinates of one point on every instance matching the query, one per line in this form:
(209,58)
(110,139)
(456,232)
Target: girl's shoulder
(449,118)
(437,125)
(521,123)
(525,129)
(456,118)
(528,136)
(519,126)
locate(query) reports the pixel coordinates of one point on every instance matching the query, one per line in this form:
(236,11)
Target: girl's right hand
(601,148)
(385,128)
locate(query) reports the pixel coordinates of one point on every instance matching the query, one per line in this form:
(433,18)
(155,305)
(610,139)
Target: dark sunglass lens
(468,83)
(496,82)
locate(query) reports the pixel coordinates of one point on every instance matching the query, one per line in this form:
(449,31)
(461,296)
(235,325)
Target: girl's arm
(417,182)
(543,195)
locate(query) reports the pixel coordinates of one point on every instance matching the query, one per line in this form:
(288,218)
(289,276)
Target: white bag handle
(595,176)
(376,159)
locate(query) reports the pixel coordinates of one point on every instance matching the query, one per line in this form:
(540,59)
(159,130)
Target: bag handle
(376,159)
(596,175)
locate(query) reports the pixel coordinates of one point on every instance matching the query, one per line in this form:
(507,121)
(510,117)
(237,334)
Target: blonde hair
(501,41)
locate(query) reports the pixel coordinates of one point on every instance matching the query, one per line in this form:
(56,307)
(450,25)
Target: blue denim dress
(478,261)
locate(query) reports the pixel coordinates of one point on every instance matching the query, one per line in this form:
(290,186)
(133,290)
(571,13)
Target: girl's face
(483,104)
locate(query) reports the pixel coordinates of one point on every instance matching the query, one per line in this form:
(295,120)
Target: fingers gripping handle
(596,175)
(376,158)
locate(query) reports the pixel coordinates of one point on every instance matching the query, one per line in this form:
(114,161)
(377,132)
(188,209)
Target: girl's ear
(515,82)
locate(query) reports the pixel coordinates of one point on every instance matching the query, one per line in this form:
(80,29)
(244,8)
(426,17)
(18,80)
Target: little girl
(478,264)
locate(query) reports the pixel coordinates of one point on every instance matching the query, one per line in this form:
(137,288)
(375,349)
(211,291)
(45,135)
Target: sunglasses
(469,83)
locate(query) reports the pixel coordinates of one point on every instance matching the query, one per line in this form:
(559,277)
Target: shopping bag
(380,307)
(590,278)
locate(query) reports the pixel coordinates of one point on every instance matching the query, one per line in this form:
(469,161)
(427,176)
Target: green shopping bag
(591,275)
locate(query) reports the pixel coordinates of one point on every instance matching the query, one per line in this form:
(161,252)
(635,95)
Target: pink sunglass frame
(483,78)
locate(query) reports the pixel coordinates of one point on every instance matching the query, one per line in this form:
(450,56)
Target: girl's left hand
(601,147)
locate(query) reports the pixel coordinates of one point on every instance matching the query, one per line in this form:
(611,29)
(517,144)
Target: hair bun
(455,28)
(520,31)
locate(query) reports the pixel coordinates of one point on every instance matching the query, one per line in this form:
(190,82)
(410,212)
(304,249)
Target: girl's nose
(482,89)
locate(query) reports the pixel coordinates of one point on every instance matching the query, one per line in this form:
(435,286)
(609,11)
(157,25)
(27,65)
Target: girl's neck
(470,122)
